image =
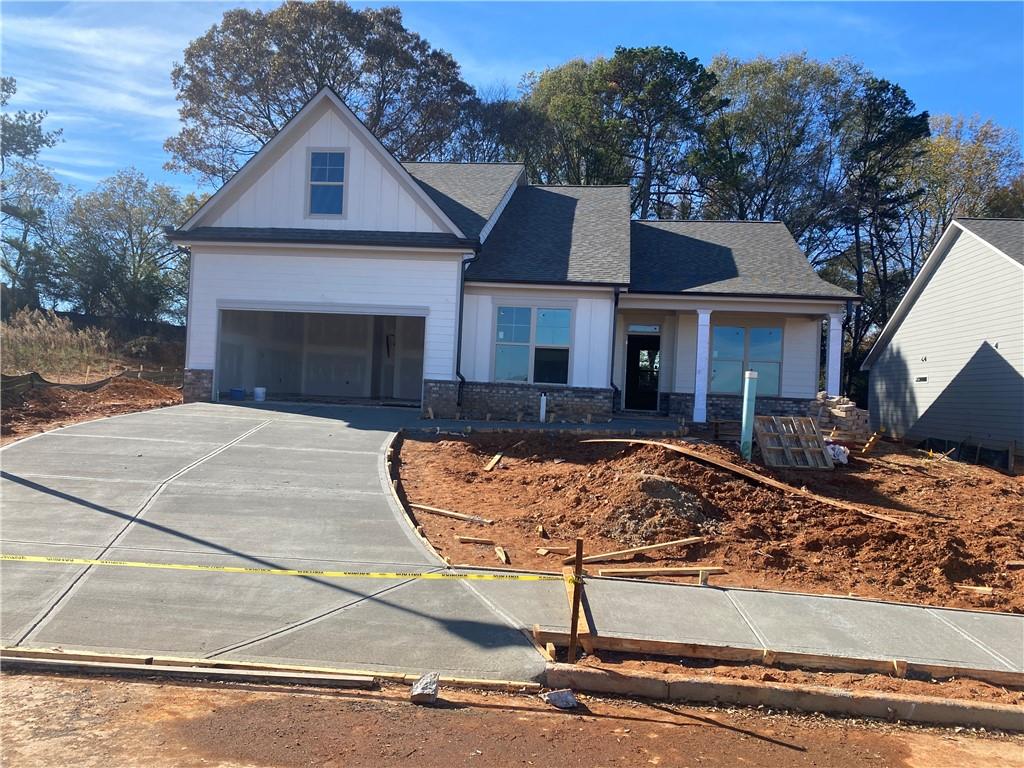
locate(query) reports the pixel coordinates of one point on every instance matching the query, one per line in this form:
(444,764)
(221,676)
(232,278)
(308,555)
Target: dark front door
(643,359)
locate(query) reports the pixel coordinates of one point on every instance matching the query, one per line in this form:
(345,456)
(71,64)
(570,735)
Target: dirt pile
(50,407)
(963,523)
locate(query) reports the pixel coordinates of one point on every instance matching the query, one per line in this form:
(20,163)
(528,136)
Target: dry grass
(35,340)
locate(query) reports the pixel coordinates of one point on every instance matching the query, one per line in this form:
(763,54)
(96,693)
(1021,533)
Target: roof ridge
(708,221)
(579,186)
(987,218)
(460,162)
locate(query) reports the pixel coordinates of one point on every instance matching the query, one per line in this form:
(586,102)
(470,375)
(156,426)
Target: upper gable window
(326,183)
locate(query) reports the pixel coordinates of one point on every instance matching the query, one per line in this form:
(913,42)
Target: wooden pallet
(791,441)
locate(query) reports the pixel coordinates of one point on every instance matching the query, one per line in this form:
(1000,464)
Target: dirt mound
(964,523)
(50,407)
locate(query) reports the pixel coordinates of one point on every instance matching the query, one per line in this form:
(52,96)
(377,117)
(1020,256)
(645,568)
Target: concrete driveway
(292,487)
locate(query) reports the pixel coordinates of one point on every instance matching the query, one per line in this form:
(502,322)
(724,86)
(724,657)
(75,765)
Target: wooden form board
(769,657)
(791,441)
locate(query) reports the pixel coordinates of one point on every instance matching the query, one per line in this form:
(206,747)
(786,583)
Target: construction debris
(424,690)
(642,572)
(972,588)
(563,698)
(473,540)
(502,555)
(840,419)
(791,441)
(449,513)
(635,550)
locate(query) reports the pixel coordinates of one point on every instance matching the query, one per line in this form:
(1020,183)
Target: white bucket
(259,394)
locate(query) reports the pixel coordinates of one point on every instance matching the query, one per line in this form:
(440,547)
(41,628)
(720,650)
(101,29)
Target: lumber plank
(449,513)
(583,628)
(755,477)
(757,655)
(1015,563)
(553,551)
(502,555)
(972,588)
(473,540)
(493,462)
(635,550)
(683,571)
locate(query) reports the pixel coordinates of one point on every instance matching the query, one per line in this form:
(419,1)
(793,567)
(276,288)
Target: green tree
(241,81)
(657,102)
(1007,202)
(773,152)
(117,261)
(884,138)
(22,135)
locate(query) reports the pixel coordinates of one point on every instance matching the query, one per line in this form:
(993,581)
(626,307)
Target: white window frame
(343,183)
(533,346)
(746,361)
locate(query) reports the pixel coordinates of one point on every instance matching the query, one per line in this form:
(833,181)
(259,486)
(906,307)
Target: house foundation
(507,401)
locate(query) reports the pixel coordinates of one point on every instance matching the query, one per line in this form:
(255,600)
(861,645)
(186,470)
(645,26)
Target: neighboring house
(949,364)
(326,268)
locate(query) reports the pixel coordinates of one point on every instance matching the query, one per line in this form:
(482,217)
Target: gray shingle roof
(321,237)
(723,257)
(1005,234)
(467,192)
(559,235)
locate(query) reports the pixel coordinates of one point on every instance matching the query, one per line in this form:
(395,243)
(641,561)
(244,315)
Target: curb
(803,698)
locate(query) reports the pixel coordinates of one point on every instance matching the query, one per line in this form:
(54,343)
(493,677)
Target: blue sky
(103,69)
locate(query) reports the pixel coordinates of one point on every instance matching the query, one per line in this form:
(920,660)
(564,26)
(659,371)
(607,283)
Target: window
(532,345)
(735,350)
(326,183)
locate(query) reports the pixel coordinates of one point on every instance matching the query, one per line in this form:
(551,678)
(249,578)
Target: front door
(643,359)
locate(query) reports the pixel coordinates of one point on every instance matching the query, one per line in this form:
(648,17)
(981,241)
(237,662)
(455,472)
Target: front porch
(685,357)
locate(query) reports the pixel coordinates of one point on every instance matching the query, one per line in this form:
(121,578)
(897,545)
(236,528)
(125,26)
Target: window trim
(343,184)
(745,363)
(533,305)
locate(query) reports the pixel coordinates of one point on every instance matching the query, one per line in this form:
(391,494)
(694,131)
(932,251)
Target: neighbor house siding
(374,198)
(953,369)
(354,282)
(591,329)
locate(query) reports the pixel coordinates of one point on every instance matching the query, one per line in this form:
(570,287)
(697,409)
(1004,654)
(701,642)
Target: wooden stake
(448,513)
(636,550)
(494,461)
(541,532)
(576,580)
(502,555)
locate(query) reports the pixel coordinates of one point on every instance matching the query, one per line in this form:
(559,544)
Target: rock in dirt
(563,698)
(424,690)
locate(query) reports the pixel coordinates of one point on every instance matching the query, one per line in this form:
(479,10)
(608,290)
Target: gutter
(458,337)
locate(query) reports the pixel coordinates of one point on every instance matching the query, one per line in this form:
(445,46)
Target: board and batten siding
(374,198)
(357,283)
(590,344)
(954,369)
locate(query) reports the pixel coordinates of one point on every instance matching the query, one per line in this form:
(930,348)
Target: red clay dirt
(962,523)
(50,721)
(46,408)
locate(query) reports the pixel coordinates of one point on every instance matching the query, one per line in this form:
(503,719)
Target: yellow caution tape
(436,576)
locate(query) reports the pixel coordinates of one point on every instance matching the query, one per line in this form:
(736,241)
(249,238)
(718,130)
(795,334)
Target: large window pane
(766,344)
(325,198)
(767,378)
(553,327)
(726,376)
(727,343)
(551,366)
(513,325)
(511,362)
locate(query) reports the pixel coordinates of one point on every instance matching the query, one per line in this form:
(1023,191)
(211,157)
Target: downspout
(615,326)
(458,332)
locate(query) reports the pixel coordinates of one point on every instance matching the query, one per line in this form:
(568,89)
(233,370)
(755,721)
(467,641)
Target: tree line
(864,179)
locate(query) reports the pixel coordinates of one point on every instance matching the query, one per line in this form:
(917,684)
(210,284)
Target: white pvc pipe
(543,407)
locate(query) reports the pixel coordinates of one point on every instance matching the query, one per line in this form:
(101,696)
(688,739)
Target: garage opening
(320,355)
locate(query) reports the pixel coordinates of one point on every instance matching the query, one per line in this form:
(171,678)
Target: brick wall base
(504,401)
(730,407)
(198,386)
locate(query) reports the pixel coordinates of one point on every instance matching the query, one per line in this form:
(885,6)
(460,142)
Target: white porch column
(700,385)
(835,353)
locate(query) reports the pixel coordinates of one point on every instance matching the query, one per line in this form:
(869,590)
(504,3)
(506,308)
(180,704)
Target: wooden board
(635,550)
(791,441)
(502,555)
(473,540)
(755,477)
(449,513)
(695,570)
(584,632)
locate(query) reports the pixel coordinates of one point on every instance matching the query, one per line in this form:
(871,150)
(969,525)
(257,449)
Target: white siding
(685,353)
(801,357)
(375,199)
(356,283)
(591,330)
(953,369)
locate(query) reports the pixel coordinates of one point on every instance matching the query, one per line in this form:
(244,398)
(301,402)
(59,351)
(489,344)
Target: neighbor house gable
(272,189)
(969,228)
